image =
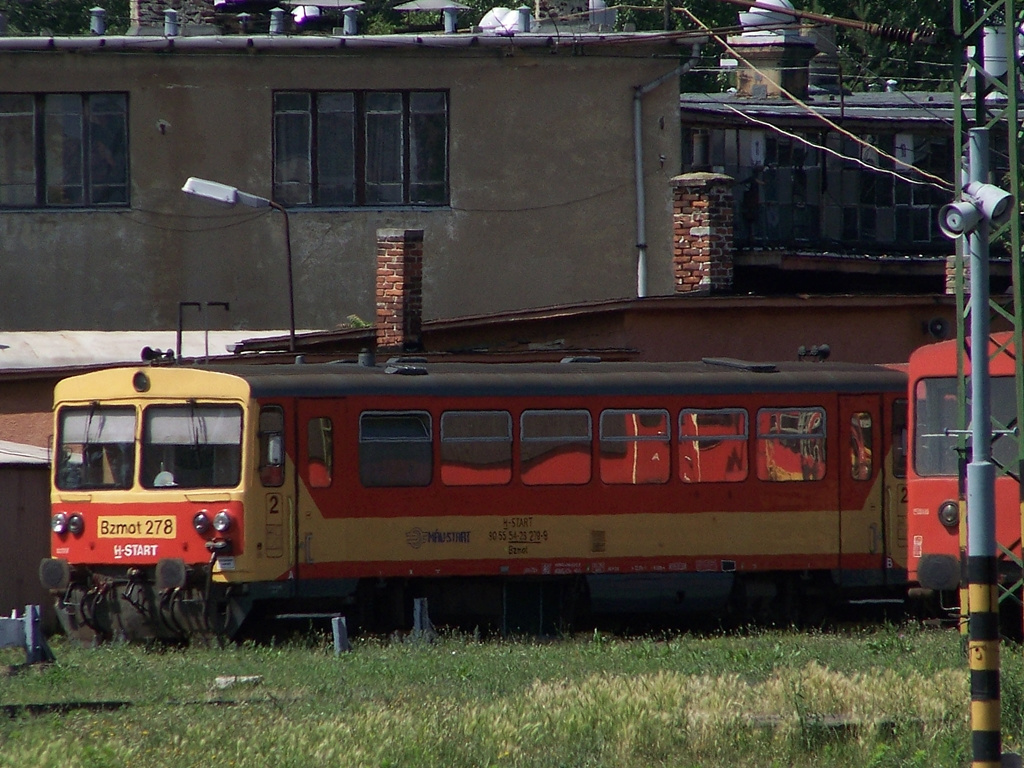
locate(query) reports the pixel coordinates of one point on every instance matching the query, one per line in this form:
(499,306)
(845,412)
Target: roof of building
(35,350)
(19,453)
(889,108)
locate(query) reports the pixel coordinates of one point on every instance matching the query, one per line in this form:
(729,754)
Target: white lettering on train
(135,550)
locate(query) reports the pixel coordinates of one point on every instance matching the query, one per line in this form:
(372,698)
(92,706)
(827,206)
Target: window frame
(425,418)
(447,478)
(290,194)
(561,440)
(820,436)
(743,438)
(84,143)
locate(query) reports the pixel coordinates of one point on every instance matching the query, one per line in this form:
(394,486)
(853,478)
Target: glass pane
(428,148)
(555,447)
(395,449)
(271,446)
(17,150)
(936,410)
(634,447)
(791,444)
(336,149)
(192,446)
(384,148)
(64,149)
(320,436)
(899,438)
(861,435)
(96,448)
(108,149)
(292,146)
(476,448)
(712,446)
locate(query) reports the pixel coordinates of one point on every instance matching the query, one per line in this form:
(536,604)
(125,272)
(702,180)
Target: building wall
(25,410)
(24,536)
(541,178)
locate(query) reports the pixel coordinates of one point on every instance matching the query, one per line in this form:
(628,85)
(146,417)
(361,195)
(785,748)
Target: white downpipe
(638,158)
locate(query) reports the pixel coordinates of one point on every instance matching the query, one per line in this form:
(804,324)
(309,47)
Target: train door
(318,486)
(275,497)
(862,528)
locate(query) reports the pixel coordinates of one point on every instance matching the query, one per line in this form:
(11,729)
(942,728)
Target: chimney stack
(399,289)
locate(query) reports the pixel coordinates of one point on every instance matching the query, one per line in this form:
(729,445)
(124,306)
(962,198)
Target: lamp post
(231,196)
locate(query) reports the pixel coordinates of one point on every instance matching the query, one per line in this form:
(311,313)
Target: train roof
(413,376)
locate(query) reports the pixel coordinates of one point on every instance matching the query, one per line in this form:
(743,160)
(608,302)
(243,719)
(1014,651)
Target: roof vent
(406,370)
(743,365)
(581,359)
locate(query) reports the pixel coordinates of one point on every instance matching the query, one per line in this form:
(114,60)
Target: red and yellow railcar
(189,500)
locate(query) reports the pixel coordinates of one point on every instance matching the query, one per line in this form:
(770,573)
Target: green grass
(888,697)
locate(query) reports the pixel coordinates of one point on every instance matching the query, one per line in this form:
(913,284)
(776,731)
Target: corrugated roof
(36,350)
(19,453)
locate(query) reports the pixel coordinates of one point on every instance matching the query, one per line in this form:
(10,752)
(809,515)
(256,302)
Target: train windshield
(191,446)
(936,411)
(95,448)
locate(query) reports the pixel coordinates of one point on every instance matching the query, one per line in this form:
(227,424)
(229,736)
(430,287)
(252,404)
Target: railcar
(937,470)
(190,500)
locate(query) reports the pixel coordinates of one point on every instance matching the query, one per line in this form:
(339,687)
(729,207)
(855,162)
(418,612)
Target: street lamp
(231,196)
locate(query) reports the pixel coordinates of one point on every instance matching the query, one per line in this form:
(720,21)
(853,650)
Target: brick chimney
(399,289)
(702,256)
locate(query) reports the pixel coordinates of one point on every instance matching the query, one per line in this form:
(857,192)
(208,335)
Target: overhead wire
(937,180)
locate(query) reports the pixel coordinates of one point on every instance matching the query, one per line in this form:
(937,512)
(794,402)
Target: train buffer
(26,632)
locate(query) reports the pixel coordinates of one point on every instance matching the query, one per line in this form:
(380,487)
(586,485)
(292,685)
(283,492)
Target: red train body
(519,495)
(936,468)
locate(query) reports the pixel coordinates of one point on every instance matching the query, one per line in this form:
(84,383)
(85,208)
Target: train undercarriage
(136,604)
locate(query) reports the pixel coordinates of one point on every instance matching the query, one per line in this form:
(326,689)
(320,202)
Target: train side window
(935,410)
(320,442)
(476,447)
(791,444)
(271,439)
(554,447)
(861,435)
(899,438)
(395,448)
(635,446)
(713,445)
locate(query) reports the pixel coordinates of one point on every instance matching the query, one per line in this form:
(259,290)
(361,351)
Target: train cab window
(899,438)
(861,435)
(790,444)
(935,411)
(191,446)
(395,448)
(95,448)
(271,441)
(713,445)
(635,447)
(476,448)
(320,450)
(554,447)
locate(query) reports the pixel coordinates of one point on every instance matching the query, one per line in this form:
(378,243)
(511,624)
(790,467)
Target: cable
(942,183)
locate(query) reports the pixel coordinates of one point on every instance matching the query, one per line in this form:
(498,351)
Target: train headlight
(76,524)
(59,523)
(949,514)
(201,522)
(221,521)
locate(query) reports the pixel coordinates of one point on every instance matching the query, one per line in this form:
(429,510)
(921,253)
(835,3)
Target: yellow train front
(518,496)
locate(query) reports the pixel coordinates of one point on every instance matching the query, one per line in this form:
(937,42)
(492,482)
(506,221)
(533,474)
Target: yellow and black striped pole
(983,658)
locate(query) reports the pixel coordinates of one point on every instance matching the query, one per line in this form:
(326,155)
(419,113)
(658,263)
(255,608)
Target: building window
(361,148)
(63,150)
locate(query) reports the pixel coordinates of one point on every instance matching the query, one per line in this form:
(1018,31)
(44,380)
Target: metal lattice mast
(994,105)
